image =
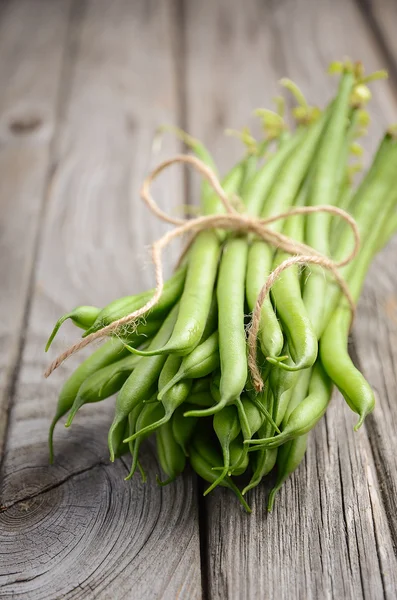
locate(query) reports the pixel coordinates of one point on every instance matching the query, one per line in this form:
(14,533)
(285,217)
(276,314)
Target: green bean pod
(139,384)
(323,190)
(239,459)
(307,414)
(171,457)
(103,383)
(203,399)
(195,303)
(130,430)
(260,258)
(287,298)
(257,188)
(297,393)
(282,384)
(334,341)
(232,340)
(82,316)
(251,418)
(123,306)
(227,427)
(202,361)
(150,413)
(263,460)
(340,368)
(173,398)
(203,459)
(108,353)
(183,427)
(289,458)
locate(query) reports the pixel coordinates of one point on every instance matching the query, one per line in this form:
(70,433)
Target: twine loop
(234,221)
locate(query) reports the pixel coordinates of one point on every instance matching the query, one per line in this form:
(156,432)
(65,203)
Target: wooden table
(84,84)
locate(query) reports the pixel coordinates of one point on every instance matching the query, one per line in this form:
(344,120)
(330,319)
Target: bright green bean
(195,303)
(173,398)
(82,316)
(149,414)
(227,427)
(289,457)
(287,299)
(202,361)
(307,414)
(183,427)
(139,384)
(171,457)
(108,353)
(123,306)
(103,383)
(323,190)
(203,458)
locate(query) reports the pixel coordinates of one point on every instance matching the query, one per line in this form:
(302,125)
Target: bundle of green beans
(182,374)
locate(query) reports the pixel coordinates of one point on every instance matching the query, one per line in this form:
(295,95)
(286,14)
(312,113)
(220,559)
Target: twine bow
(235,221)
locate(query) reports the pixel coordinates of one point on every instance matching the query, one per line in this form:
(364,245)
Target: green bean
(123,306)
(108,353)
(375,195)
(249,165)
(307,414)
(260,258)
(149,414)
(173,398)
(389,231)
(282,384)
(289,457)
(139,384)
(227,427)
(251,418)
(82,316)
(287,298)
(239,460)
(333,346)
(103,383)
(203,399)
(232,341)
(183,427)
(323,190)
(201,385)
(171,458)
(130,430)
(264,459)
(202,361)
(258,187)
(203,458)
(299,393)
(196,298)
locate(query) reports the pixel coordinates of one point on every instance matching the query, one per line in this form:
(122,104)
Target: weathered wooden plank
(31,52)
(77,530)
(329,535)
(232,67)
(383,16)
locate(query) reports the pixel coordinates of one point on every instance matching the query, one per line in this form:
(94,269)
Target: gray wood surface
(329,535)
(77,529)
(83,86)
(31,51)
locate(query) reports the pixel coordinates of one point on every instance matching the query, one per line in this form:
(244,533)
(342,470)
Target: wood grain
(78,530)
(383,15)
(31,59)
(330,533)
(232,67)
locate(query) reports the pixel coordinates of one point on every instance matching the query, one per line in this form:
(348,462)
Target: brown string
(234,221)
